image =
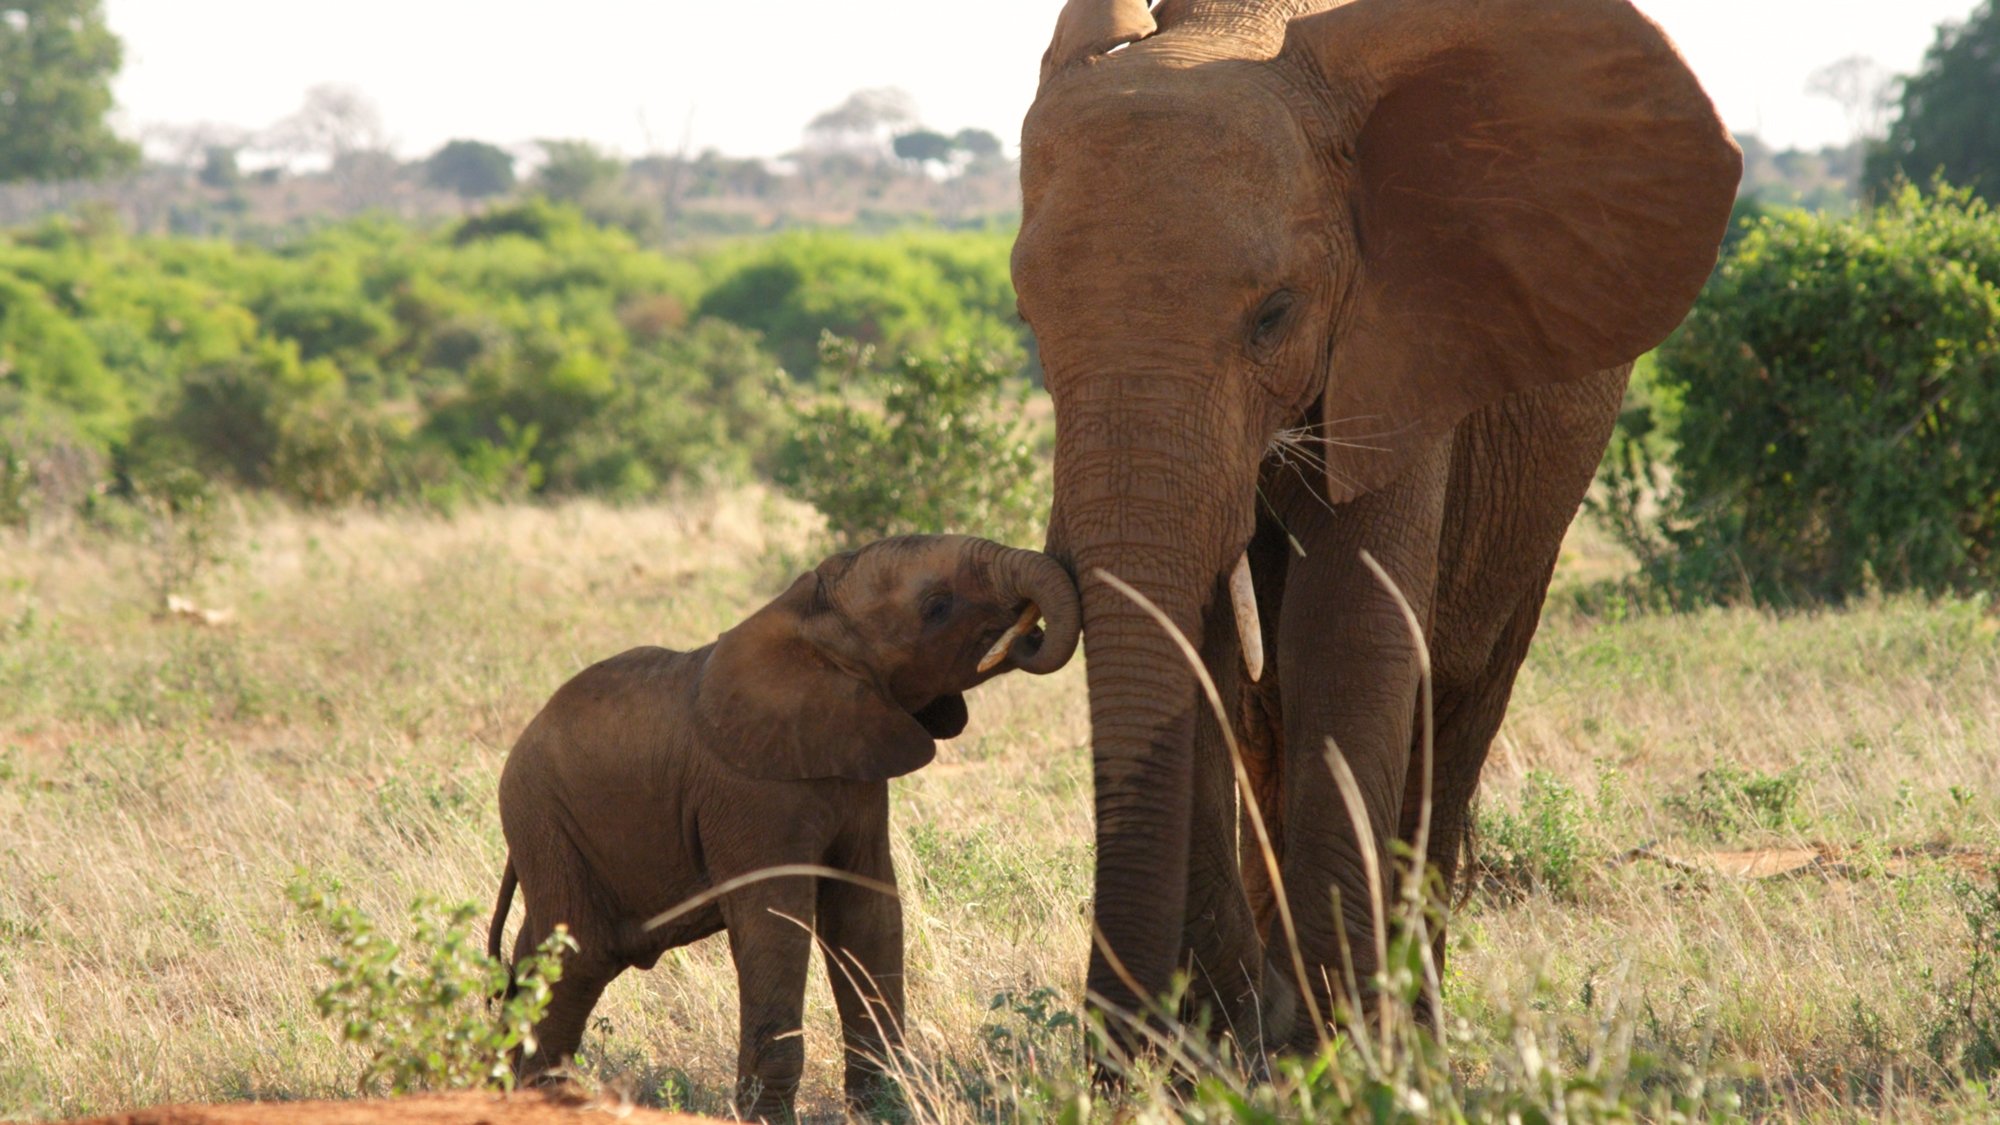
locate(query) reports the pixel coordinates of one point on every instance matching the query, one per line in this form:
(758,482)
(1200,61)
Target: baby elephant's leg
(770,938)
(585,973)
(862,932)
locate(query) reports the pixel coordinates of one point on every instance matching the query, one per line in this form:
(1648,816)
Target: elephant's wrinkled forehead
(1189,177)
(899,568)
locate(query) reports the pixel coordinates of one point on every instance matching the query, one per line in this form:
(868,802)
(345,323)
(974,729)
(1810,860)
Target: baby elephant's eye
(937,607)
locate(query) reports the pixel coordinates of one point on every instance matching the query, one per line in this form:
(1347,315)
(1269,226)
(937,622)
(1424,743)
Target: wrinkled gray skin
(655,775)
(1310,280)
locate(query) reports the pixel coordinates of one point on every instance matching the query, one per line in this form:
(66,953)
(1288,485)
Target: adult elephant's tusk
(1249,629)
(1014,633)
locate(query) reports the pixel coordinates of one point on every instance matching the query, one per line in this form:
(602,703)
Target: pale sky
(744,76)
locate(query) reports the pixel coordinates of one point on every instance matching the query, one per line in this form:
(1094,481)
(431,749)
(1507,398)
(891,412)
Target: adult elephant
(1311,281)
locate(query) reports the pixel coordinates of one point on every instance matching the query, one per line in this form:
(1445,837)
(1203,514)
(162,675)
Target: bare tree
(334,121)
(342,127)
(864,122)
(1863,89)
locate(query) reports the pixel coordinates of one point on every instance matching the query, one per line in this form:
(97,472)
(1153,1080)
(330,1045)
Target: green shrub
(943,448)
(526,350)
(327,323)
(1726,801)
(900,293)
(1965,1037)
(703,403)
(1837,383)
(15,485)
(183,531)
(1021,1037)
(1540,845)
(45,352)
(537,220)
(48,465)
(329,454)
(424,1023)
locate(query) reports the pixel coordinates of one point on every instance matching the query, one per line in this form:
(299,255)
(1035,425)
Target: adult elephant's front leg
(1350,673)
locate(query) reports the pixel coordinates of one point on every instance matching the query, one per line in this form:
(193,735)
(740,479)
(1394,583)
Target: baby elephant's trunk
(1031,576)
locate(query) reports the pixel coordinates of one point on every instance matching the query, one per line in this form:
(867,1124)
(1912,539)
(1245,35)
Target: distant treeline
(523,350)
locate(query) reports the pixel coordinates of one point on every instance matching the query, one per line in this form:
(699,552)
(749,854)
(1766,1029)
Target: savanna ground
(162,780)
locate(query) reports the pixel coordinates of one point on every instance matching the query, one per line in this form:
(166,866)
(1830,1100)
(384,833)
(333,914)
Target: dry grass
(160,782)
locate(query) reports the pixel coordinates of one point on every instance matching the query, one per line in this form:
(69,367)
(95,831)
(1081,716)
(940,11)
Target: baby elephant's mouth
(943,717)
(1024,628)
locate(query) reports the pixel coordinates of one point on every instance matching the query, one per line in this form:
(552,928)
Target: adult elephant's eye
(1267,326)
(937,607)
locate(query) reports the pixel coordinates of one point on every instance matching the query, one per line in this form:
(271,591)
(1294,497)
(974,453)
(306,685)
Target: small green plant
(1965,1035)
(1541,845)
(1032,1024)
(504,469)
(936,443)
(183,531)
(1726,800)
(16,483)
(1028,1037)
(420,1012)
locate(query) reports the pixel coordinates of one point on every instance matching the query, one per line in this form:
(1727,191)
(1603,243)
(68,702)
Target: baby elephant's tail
(499,927)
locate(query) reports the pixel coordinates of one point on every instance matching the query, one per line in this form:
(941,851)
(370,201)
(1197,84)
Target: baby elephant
(656,775)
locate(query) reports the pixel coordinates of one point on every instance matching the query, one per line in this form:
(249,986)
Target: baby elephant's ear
(771,706)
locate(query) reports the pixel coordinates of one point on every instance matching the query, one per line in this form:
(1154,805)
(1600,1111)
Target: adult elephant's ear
(1539,188)
(1087,28)
(771,705)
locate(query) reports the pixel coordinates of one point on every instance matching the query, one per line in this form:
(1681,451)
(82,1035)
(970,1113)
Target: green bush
(900,293)
(329,323)
(424,1024)
(46,353)
(1836,385)
(183,531)
(16,484)
(329,454)
(526,350)
(48,465)
(702,403)
(1726,801)
(228,417)
(1538,846)
(935,443)
(1965,1037)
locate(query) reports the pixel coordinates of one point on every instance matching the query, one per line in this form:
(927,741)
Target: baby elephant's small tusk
(1249,629)
(1014,633)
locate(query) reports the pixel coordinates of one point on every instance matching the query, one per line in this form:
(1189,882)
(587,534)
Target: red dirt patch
(469,1108)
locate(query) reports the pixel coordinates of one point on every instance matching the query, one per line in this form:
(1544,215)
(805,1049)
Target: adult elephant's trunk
(1155,503)
(1142,710)
(1035,578)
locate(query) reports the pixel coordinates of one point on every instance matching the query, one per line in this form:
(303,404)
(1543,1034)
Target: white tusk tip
(1249,628)
(1005,644)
